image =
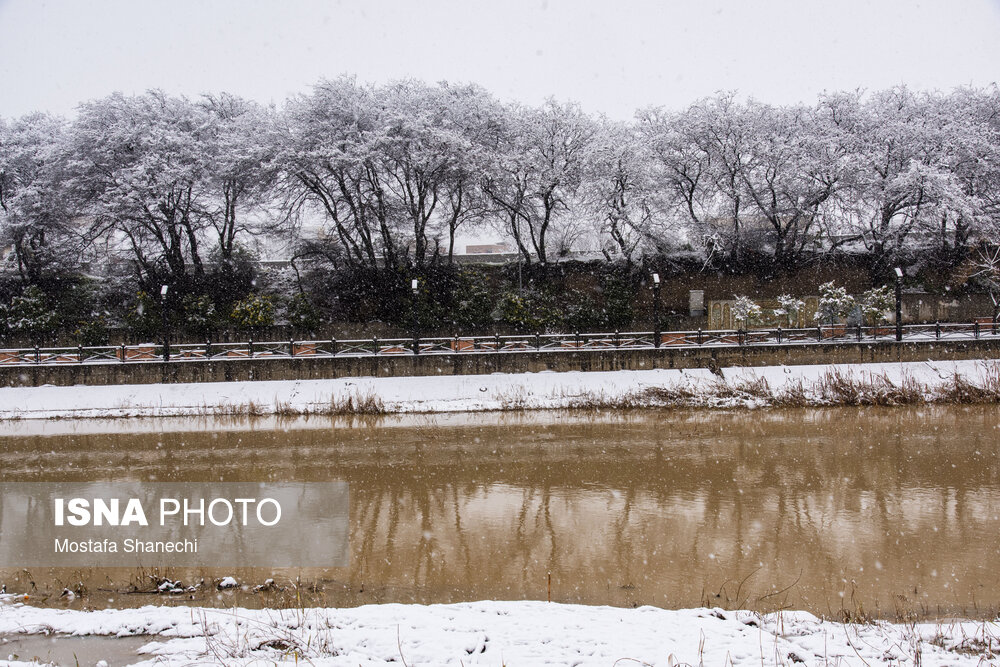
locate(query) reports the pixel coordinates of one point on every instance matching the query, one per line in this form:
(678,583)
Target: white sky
(612,57)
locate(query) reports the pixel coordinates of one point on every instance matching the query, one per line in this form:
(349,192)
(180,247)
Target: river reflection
(877,510)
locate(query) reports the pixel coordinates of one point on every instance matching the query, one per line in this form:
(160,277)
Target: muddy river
(864,512)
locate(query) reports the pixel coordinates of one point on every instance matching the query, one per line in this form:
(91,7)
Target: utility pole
(415,287)
(656,310)
(899,304)
(163,313)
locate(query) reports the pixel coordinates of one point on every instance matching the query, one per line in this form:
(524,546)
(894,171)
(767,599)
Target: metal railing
(538,342)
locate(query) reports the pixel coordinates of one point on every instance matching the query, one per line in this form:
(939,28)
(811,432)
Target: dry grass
(792,396)
(368,403)
(248,409)
(838,388)
(358,403)
(833,388)
(515,400)
(676,395)
(961,390)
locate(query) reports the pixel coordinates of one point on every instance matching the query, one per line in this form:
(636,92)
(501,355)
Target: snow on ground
(511,633)
(457,393)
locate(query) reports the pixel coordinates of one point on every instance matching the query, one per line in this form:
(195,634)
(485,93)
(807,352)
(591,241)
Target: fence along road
(496,344)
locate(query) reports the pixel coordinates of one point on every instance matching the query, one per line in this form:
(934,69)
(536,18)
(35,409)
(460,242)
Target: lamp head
(163,291)
(899,272)
(656,278)
(414,284)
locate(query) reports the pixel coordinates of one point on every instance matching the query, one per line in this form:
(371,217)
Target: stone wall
(304,367)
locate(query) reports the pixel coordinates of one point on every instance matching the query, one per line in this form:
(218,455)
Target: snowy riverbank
(840,384)
(511,633)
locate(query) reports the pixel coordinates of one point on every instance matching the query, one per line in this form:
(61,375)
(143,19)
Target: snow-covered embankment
(888,383)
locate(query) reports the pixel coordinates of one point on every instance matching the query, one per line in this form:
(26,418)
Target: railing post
(123,353)
(859,332)
(208,349)
(250,348)
(291,347)
(576,336)
(79,353)
(739,337)
(538,341)
(975,329)
(38,355)
(937,330)
(618,339)
(496,339)
(700,339)
(819,332)
(456,346)
(779,335)
(375,345)
(333,347)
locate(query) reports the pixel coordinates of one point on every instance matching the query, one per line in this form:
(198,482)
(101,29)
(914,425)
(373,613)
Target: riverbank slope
(965,381)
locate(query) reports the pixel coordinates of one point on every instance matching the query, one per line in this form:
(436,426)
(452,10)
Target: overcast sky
(612,57)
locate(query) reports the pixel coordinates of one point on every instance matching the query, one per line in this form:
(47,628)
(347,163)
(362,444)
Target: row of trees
(366,185)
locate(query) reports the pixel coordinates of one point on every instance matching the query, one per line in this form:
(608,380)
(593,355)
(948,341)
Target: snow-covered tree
(974,159)
(137,168)
(325,153)
(421,146)
(987,272)
(898,159)
(537,166)
(618,189)
(747,312)
(789,309)
(790,171)
(31,315)
(875,303)
(239,148)
(394,169)
(36,220)
(699,157)
(835,304)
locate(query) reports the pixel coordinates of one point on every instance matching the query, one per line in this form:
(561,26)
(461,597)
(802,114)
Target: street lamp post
(163,312)
(899,304)
(415,287)
(656,310)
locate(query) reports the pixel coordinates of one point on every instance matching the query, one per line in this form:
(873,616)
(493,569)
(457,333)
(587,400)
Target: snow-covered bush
(199,314)
(92,331)
(746,312)
(31,315)
(303,315)
(253,313)
(789,308)
(875,303)
(835,304)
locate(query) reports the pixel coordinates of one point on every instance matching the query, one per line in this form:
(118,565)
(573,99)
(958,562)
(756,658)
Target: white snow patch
(513,633)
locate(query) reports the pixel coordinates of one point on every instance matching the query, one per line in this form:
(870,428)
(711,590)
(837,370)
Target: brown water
(82,651)
(880,511)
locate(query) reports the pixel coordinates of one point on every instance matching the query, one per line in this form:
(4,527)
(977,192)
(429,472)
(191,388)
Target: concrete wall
(483,363)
